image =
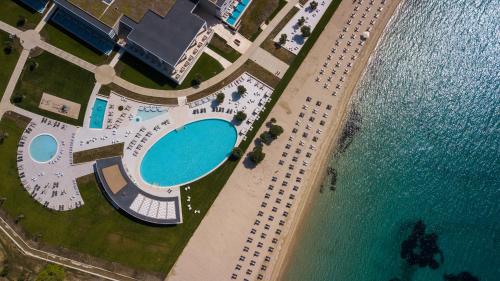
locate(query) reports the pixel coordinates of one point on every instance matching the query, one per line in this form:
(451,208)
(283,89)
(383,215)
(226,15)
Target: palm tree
(242,90)
(283,39)
(306,31)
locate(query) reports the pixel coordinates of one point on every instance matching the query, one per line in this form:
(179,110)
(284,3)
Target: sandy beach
(320,172)
(250,230)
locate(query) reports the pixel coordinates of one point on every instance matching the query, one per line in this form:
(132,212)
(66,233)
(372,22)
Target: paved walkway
(45,18)
(224,62)
(269,62)
(230,36)
(155,92)
(5,103)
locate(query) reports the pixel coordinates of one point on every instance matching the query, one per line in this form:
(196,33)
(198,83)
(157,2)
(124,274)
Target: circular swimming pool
(188,153)
(43,148)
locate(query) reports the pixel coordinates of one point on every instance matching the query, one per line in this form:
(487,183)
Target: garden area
(139,73)
(66,41)
(258,12)
(8,59)
(15,13)
(220,46)
(50,74)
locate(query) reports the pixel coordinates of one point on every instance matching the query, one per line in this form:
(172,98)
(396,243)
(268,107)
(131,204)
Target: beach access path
(235,241)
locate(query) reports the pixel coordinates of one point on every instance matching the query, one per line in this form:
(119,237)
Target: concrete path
(269,62)
(224,62)
(45,18)
(5,103)
(9,29)
(66,56)
(230,36)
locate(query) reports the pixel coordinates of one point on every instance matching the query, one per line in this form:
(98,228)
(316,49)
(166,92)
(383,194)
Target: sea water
(424,145)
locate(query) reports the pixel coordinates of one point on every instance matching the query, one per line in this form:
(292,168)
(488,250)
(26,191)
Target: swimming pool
(189,153)
(237,12)
(146,114)
(98,111)
(43,148)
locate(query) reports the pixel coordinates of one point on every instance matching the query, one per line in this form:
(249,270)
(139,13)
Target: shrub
(275,131)
(220,97)
(242,90)
(257,155)
(21,22)
(283,38)
(313,5)
(301,21)
(120,108)
(240,116)
(51,272)
(266,138)
(236,153)
(17,98)
(306,31)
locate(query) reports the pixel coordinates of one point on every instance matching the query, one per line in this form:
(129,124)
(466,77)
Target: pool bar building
(167,35)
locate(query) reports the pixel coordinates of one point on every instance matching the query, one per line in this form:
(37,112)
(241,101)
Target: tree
(236,153)
(240,116)
(17,98)
(21,21)
(18,218)
(220,97)
(196,80)
(33,65)
(3,136)
(8,47)
(306,31)
(273,120)
(266,138)
(275,131)
(301,21)
(283,39)
(242,90)
(51,272)
(313,5)
(257,155)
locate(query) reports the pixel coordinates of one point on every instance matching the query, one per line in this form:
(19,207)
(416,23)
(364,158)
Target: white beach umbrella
(365,35)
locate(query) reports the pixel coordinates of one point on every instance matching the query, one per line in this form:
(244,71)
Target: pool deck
(120,126)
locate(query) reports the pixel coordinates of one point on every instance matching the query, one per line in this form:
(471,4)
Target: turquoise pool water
(237,12)
(186,154)
(43,148)
(97,116)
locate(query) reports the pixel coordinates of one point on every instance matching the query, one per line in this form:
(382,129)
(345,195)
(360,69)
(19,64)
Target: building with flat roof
(166,34)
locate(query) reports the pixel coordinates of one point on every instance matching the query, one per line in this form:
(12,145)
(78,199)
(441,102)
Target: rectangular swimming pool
(237,12)
(98,111)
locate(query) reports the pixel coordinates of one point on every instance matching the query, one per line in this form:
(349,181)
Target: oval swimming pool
(189,153)
(43,148)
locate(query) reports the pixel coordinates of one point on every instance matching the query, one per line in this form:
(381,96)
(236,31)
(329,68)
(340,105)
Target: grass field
(57,77)
(99,230)
(11,11)
(258,12)
(137,72)
(220,46)
(7,62)
(270,46)
(64,40)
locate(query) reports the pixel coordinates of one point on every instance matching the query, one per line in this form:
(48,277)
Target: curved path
(31,39)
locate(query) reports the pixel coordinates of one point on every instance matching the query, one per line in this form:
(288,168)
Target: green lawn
(56,77)
(258,12)
(99,230)
(62,39)
(7,62)
(220,46)
(137,72)
(11,11)
(275,49)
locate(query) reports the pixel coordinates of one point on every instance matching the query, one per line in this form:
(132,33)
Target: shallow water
(428,148)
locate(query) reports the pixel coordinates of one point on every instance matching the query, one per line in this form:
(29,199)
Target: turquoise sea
(428,147)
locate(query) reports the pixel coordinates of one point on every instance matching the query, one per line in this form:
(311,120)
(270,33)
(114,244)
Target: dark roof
(124,198)
(168,37)
(85,16)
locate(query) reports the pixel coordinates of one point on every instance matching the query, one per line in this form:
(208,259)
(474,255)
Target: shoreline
(328,146)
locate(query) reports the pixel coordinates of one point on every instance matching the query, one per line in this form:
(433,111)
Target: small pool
(98,111)
(237,12)
(189,153)
(43,148)
(146,114)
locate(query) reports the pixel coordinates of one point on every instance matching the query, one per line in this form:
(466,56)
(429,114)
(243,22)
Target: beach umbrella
(365,35)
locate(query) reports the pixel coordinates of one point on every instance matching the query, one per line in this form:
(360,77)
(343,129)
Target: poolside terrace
(109,14)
